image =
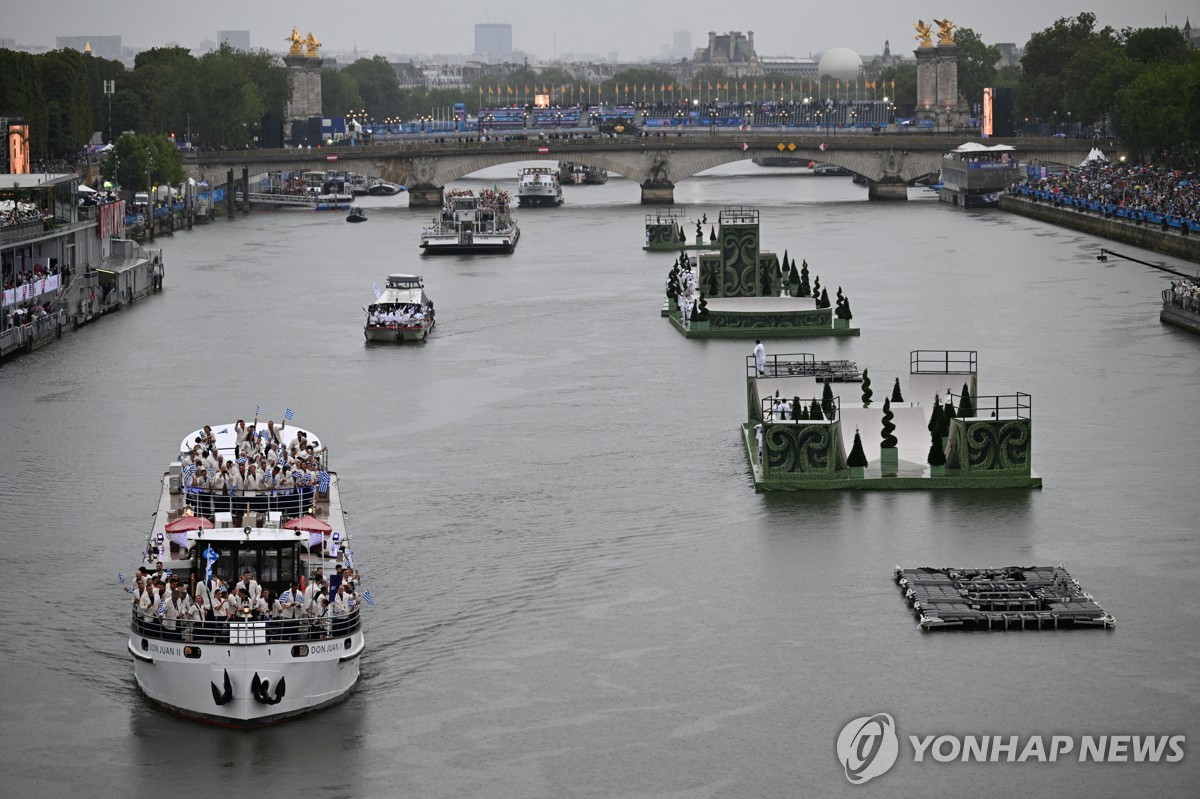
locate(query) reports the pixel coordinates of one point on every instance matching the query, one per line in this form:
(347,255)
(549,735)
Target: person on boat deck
(273,436)
(239,431)
(247,448)
(253,480)
(314,585)
(173,611)
(159,572)
(780,410)
(202,607)
(760,358)
(250,585)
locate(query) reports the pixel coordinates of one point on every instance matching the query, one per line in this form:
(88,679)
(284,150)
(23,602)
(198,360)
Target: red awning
(308,523)
(186,523)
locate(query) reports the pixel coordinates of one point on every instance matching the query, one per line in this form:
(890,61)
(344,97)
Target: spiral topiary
(805,289)
(866,389)
(887,428)
(827,401)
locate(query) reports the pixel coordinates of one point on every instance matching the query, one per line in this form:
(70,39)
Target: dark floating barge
(1030,597)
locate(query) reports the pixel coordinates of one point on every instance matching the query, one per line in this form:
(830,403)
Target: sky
(632,28)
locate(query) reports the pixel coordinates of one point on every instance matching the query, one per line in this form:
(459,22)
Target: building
(787,65)
(681,44)
(238,40)
(100,46)
(1010,54)
(493,42)
(731,52)
(8,44)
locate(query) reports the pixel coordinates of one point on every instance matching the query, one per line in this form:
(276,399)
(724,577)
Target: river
(577,591)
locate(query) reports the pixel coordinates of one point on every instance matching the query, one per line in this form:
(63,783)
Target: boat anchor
(219,697)
(260,690)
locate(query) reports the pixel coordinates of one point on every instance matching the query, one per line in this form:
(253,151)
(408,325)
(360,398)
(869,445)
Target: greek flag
(223,432)
(323,482)
(210,557)
(349,558)
(289,414)
(286,596)
(162,608)
(169,573)
(120,578)
(367,598)
(378,291)
(257,409)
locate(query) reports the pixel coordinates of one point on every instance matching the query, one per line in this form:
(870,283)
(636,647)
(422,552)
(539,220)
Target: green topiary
(814,411)
(765,273)
(887,428)
(935,418)
(805,289)
(712,234)
(937,455)
(948,412)
(857,456)
(824,303)
(896,396)
(965,406)
(816,290)
(793,280)
(866,389)
(701,314)
(842,306)
(673,283)
(827,401)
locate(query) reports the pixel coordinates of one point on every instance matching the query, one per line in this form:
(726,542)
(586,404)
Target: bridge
(889,161)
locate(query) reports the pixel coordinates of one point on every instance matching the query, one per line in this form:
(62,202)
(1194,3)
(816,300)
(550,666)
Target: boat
(401,311)
(1181,304)
(538,186)
(382,188)
(472,224)
(569,172)
(974,175)
(356,215)
(248,669)
(830,170)
(595,176)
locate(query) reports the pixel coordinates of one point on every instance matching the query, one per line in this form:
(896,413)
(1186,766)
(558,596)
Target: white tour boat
(401,311)
(250,668)
(472,224)
(538,186)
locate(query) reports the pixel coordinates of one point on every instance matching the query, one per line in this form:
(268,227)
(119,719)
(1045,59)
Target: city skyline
(634,31)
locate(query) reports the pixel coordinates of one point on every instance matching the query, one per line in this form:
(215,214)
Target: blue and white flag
(257,409)
(223,432)
(286,597)
(367,598)
(162,608)
(378,291)
(289,414)
(120,578)
(210,557)
(323,482)
(349,558)
(169,573)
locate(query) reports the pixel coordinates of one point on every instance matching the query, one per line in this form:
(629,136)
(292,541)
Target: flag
(289,414)
(323,481)
(367,598)
(286,596)
(210,557)
(378,291)
(349,558)
(489,91)
(120,578)
(162,608)
(257,408)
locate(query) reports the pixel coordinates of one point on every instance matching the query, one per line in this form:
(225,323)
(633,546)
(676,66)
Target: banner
(31,290)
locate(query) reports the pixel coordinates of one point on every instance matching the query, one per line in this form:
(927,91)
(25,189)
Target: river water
(578,592)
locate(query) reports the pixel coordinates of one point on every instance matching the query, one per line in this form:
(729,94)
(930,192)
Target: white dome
(840,63)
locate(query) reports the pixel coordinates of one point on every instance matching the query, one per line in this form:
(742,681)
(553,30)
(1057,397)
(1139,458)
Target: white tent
(1094,155)
(86,189)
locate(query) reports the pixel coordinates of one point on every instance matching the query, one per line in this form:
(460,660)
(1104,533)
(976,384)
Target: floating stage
(808,442)
(665,232)
(733,289)
(1013,598)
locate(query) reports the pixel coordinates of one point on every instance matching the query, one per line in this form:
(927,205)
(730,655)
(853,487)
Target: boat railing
(1186,302)
(803,364)
(288,502)
(245,630)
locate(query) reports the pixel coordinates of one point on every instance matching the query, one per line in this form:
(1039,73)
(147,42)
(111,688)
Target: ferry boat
(401,311)
(356,215)
(975,175)
(472,224)
(538,186)
(246,670)
(569,172)
(595,176)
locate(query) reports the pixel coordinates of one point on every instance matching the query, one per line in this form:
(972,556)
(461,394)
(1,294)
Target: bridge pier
(425,196)
(886,191)
(658,193)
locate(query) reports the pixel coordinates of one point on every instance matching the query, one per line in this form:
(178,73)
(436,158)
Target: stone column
(947,76)
(927,80)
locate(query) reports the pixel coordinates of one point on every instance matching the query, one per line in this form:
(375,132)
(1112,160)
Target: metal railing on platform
(953,362)
(1184,302)
(799,409)
(998,406)
(246,629)
(803,364)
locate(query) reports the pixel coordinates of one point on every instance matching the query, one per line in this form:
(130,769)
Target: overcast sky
(632,28)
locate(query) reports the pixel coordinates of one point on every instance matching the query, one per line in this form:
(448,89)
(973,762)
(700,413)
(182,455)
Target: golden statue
(945,31)
(923,34)
(297,42)
(312,46)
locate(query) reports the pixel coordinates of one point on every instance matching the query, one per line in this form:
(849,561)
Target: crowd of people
(164,606)
(1117,187)
(263,461)
(1186,294)
(397,313)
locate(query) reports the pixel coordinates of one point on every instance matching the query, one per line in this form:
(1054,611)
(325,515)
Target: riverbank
(1148,238)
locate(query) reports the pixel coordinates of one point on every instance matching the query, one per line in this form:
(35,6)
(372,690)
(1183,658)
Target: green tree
(137,162)
(966,408)
(857,456)
(827,401)
(976,64)
(887,428)
(937,455)
(896,396)
(378,86)
(901,85)
(866,389)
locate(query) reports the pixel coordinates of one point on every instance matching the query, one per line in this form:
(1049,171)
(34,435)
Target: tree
(935,417)
(887,427)
(827,401)
(824,301)
(794,280)
(896,396)
(857,456)
(805,289)
(937,455)
(339,93)
(144,161)
(843,306)
(866,389)
(965,406)
(1047,79)
(901,84)
(976,64)
(814,411)
(378,86)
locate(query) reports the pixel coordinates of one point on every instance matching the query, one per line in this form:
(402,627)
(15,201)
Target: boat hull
(184,685)
(395,335)
(539,200)
(476,245)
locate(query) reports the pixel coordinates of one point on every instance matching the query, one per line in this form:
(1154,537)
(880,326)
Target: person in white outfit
(760,358)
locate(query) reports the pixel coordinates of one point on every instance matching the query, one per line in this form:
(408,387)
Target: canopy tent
(1093,155)
(185,523)
(309,524)
(85,189)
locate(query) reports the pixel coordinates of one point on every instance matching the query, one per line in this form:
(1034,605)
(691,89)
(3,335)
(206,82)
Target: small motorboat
(356,215)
